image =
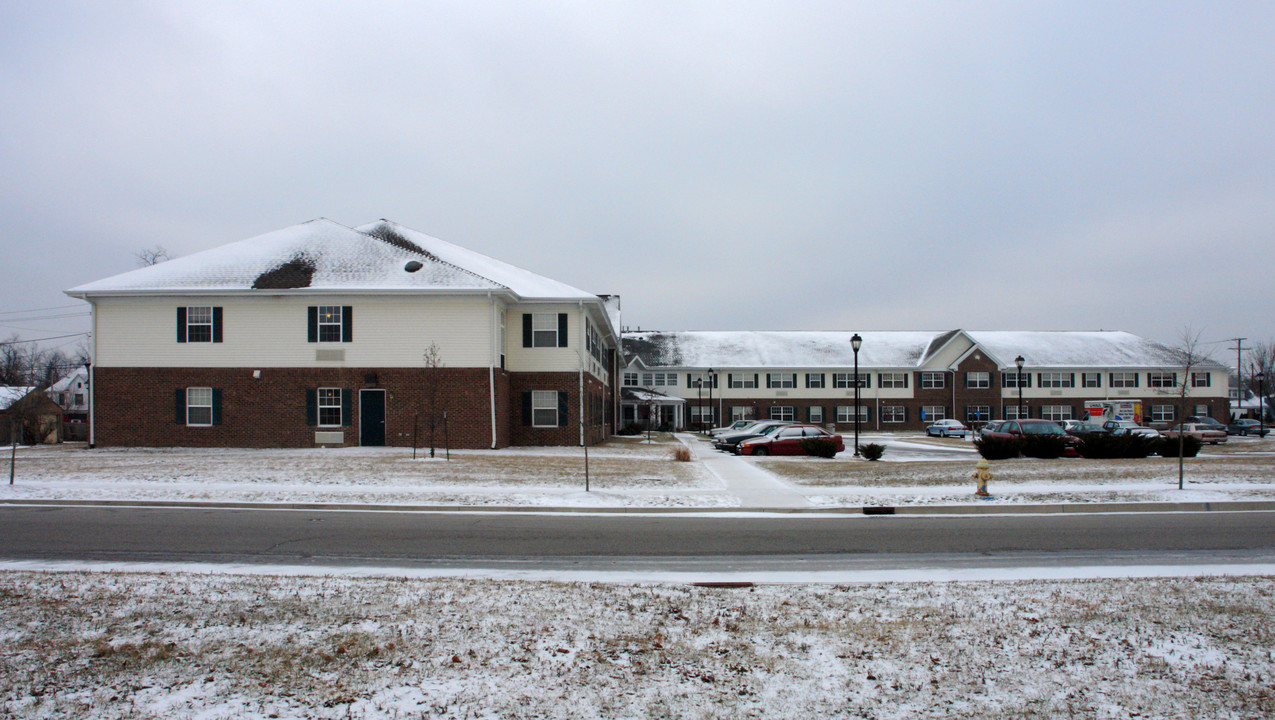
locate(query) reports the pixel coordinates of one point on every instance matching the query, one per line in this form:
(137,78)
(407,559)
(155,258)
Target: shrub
(819,447)
(680,453)
(994,448)
(630,429)
(1169,447)
(1102,446)
(872,451)
(1046,447)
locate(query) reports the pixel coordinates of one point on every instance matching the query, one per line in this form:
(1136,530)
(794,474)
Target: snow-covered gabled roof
(526,284)
(317,255)
(9,394)
(748,349)
(753,349)
(1077,349)
(65,383)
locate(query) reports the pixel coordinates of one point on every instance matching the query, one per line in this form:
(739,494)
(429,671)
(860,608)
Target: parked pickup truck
(1199,431)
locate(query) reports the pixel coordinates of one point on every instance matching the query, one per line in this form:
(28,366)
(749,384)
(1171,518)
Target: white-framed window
(199,406)
(659,379)
(893,413)
(1011,412)
(544,330)
(704,379)
(845,413)
(1201,411)
(329,405)
(1123,379)
(1010,380)
(888,381)
(741,412)
(1162,380)
(544,408)
(1056,379)
(742,381)
(1091,380)
(329,323)
(1162,413)
(846,380)
(502,341)
(783,412)
(933,380)
(814,380)
(781,380)
(1201,379)
(978,380)
(1057,413)
(978,413)
(934,413)
(630,378)
(199,324)
(79,399)
(815,413)
(702,414)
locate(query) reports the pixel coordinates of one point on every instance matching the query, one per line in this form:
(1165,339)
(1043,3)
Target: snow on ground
(165,645)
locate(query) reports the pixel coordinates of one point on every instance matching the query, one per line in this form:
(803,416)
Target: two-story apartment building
(906,380)
(325,335)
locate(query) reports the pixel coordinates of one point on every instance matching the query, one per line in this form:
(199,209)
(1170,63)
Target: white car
(946,428)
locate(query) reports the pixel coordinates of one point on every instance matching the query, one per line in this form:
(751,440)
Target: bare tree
(16,361)
(151,255)
(430,386)
(1188,356)
(1261,359)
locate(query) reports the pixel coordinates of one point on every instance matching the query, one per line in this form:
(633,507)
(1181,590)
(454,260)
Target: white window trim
(1124,380)
(1161,380)
(931,416)
(327,310)
(191,404)
(539,329)
(978,380)
(893,413)
(845,414)
(782,381)
(191,322)
(319,405)
(892,381)
(544,401)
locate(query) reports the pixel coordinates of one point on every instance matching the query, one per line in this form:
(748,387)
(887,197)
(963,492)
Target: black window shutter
(217,324)
(1073,380)
(216,408)
(314,325)
(767,379)
(179,406)
(526,331)
(714,381)
(808,379)
(181,324)
(562,329)
(562,404)
(347,323)
(526,404)
(312,405)
(728,379)
(347,407)
(823,415)
(755,381)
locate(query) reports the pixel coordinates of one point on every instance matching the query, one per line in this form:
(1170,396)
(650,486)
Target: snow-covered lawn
(174,645)
(623,471)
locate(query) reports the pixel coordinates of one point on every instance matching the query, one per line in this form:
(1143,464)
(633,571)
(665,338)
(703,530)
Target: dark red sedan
(1019,428)
(787,441)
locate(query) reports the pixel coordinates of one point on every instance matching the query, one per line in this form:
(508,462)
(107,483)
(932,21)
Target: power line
(54,337)
(31,310)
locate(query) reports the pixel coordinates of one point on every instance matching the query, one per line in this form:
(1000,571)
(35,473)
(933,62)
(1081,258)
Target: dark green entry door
(372,417)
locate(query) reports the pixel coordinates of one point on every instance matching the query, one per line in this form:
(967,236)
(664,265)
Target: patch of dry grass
(82,645)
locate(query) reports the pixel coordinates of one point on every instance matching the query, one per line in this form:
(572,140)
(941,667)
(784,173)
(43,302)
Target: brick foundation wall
(135,406)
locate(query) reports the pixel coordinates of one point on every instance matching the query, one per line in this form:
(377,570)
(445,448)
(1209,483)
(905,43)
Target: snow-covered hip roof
(890,349)
(9,394)
(321,255)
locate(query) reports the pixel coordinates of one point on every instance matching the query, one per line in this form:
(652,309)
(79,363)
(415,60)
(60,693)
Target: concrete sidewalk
(754,487)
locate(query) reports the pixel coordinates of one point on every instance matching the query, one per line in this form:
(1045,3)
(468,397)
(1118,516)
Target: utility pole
(1239,371)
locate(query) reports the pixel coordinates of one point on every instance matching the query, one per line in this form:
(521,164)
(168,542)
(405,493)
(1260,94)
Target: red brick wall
(569,434)
(135,406)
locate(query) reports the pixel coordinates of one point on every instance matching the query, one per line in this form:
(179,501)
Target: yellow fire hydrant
(982,474)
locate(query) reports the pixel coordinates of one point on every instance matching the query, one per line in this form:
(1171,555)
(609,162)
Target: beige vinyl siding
(800,392)
(271,331)
(544,359)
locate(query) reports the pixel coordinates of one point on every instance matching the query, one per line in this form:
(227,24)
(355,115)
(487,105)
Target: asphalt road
(485,540)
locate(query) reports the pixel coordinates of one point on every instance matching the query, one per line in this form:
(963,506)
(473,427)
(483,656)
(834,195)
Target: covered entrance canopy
(639,406)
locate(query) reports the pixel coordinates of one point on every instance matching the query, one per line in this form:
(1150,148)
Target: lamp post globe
(855,343)
(1019,361)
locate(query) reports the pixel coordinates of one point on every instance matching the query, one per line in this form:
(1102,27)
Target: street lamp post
(855,342)
(711,382)
(1019,382)
(699,390)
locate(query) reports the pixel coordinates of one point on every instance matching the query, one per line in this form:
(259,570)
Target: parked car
(787,441)
(1199,431)
(1112,425)
(990,426)
(1208,421)
(1067,425)
(729,441)
(733,427)
(1081,429)
(1247,426)
(1138,430)
(1019,428)
(946,428)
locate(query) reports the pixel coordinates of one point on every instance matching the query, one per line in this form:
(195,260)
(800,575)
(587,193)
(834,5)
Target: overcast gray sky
(734,165)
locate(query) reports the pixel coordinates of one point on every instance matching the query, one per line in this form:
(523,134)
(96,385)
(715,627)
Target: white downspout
(491,367)
(580,355)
